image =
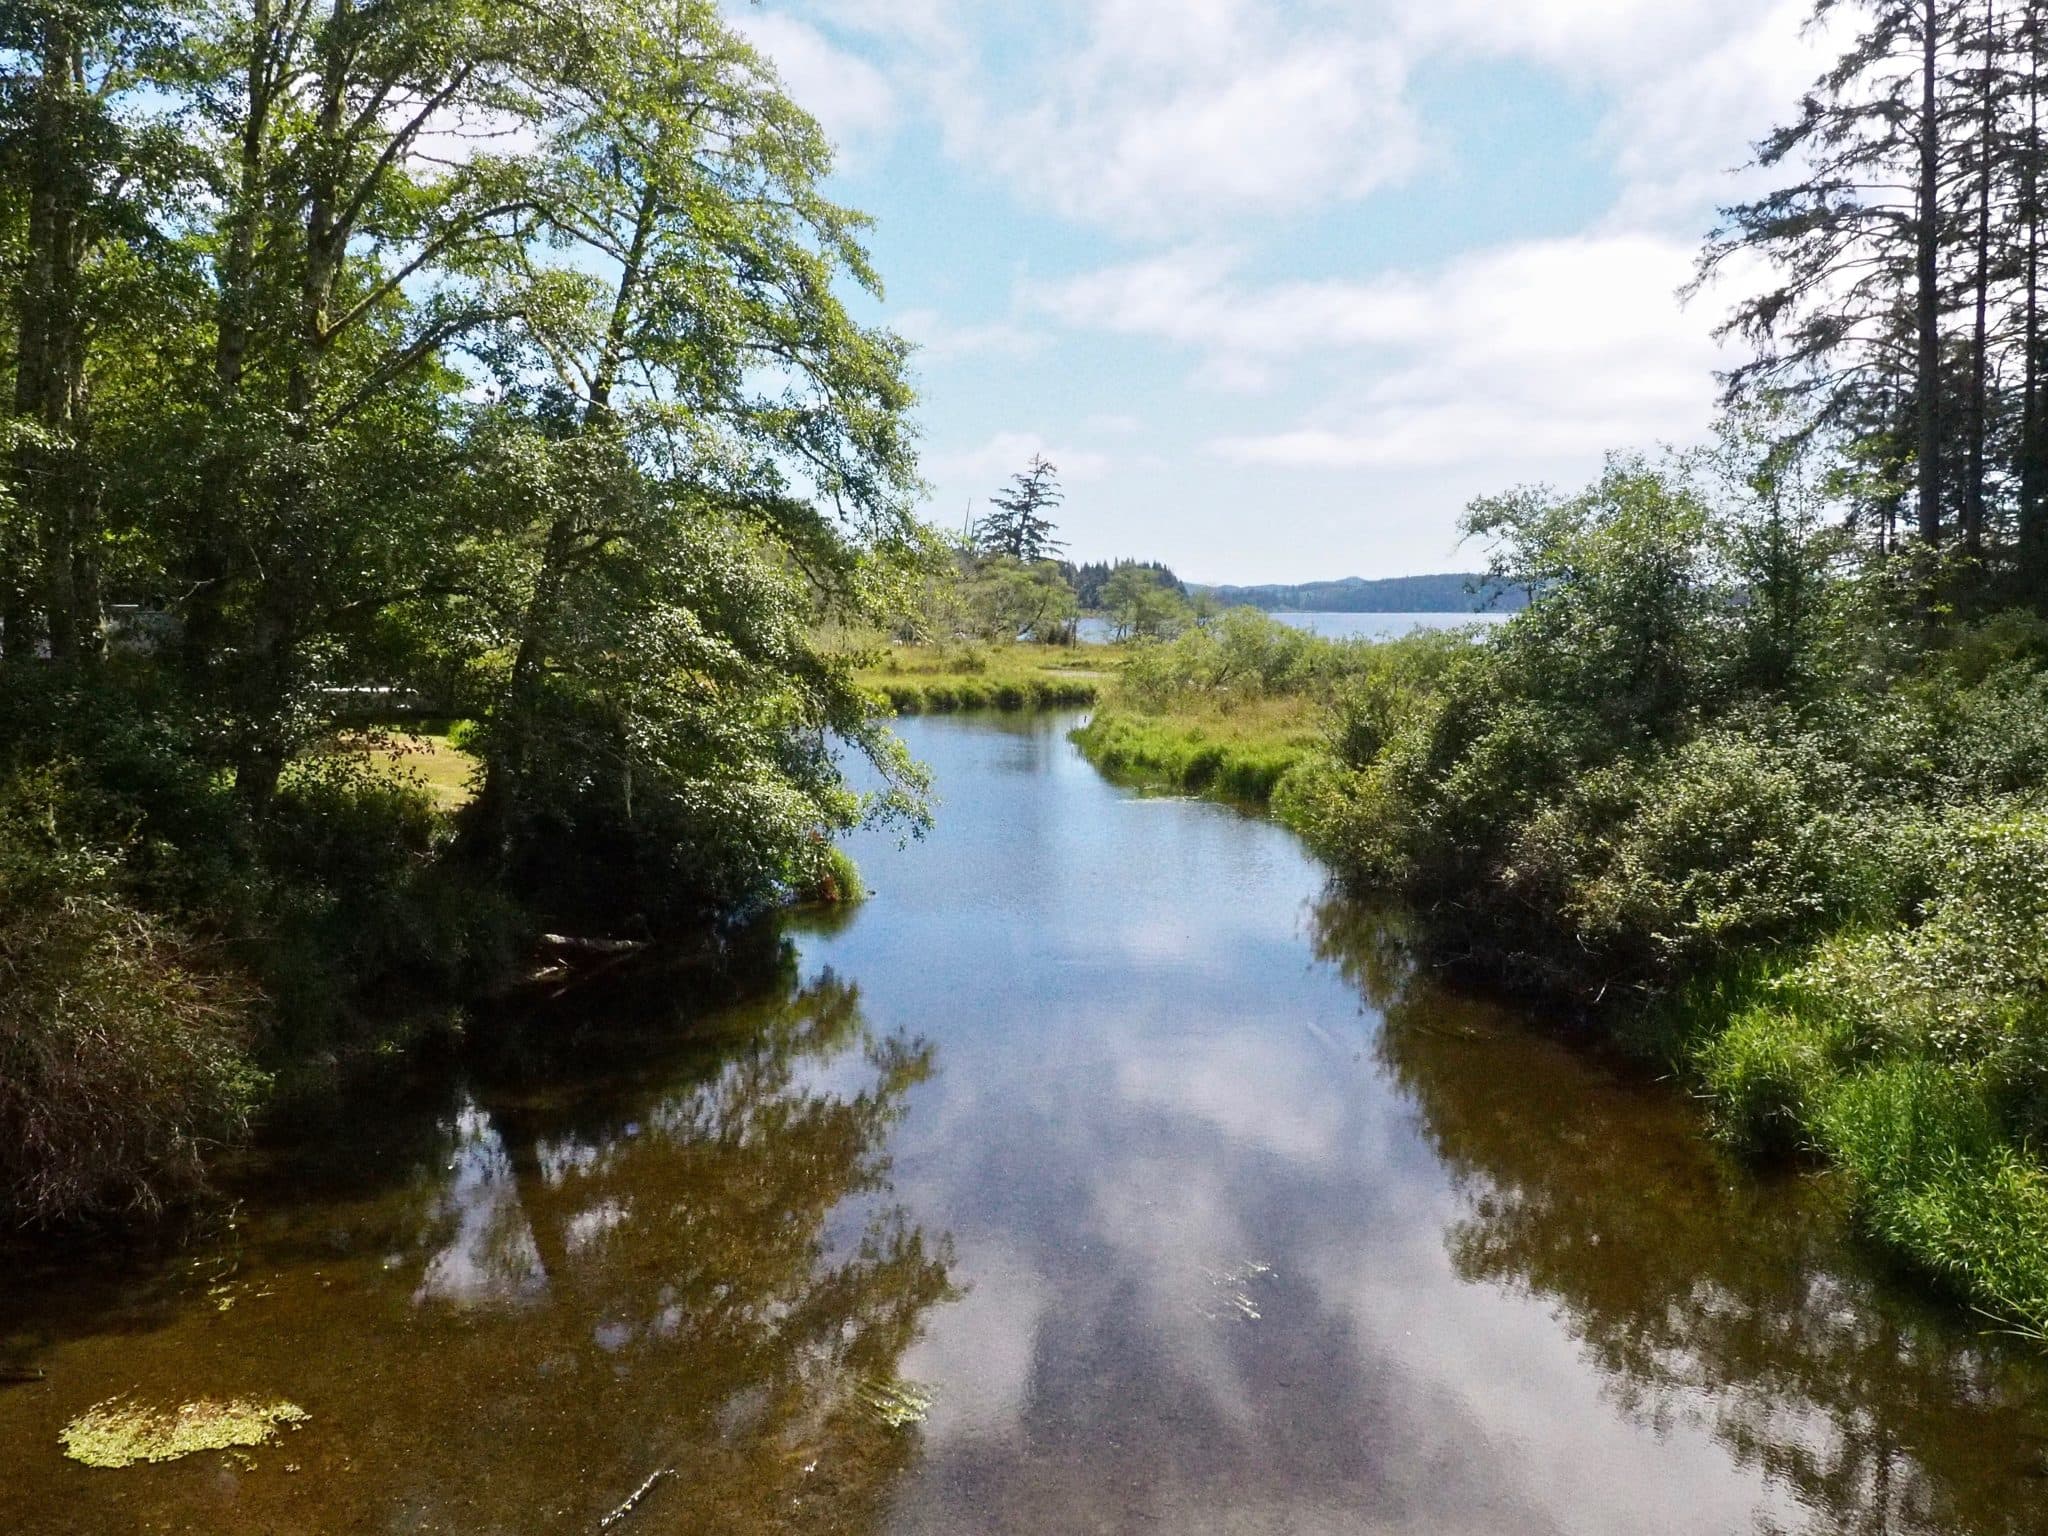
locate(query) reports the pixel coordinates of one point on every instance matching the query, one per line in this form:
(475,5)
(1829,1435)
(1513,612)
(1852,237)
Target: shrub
(1732,839)
(122,1057)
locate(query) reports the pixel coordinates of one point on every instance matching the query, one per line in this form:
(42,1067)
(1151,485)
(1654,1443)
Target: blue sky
(1282,286)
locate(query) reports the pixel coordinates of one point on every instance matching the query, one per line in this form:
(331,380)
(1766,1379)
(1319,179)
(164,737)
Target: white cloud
(1680,131)
(1154,115)
(941,341)
(851,98)
(1539,354)
(1541,350)
(1170,124)
(1005,453)
(1193,129)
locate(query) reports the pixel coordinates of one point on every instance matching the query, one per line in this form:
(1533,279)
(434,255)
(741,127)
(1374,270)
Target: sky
(1281,285)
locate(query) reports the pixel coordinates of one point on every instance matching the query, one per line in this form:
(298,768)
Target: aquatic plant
(118,1433)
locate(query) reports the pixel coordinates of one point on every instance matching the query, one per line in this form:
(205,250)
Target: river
(1102,1173)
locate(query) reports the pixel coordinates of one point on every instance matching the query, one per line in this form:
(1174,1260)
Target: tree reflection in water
(1701,1291)
(706,1278)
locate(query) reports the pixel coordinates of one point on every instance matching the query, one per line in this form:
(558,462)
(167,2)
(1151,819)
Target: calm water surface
(1100,1175)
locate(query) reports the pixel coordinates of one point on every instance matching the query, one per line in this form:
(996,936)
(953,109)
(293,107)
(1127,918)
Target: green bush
(123,1056)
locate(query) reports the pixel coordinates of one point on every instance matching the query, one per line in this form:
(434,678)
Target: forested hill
(1454,592)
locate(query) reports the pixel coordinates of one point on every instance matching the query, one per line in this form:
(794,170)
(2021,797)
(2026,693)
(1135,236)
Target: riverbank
(1841,952)
(183,965)
(945,679)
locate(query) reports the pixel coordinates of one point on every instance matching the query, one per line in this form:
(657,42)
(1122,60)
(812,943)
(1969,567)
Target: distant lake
(1340,626)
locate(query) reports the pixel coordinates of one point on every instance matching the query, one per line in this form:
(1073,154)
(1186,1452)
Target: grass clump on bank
(124,1046)
(945,679)
(1239,755)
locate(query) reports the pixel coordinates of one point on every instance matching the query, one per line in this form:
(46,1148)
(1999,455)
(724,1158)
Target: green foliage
(940,680)
(1004,599)
(1092,577)
(1253,710)
(834,880)
(573,434)
(1716,787)
(123,1047)
(1143,603)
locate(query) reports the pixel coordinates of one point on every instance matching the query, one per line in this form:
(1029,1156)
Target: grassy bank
(1238,753)
(1234,708)
(943,679)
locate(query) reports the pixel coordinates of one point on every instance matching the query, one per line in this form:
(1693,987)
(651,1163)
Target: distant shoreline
(1447,592)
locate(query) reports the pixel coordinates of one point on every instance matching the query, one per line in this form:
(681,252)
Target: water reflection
(709,1278)
(1703,1295)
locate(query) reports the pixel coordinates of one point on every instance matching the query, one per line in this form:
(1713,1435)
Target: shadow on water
(540,1299)
(1703,1293)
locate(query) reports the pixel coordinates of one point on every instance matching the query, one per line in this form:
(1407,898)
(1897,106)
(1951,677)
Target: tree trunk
(212,567)
(2033,455)
(1980,360)
(49,384)
(505,768)
(1927,280)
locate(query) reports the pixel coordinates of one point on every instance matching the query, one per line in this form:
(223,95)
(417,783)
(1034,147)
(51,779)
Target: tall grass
(933,680)
(1910,1058)
(1242,757)
(124,1051)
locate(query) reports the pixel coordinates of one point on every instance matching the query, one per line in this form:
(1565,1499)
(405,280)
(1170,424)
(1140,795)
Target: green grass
(1932,1169)
(426,754)
(1234,752)
(918,680)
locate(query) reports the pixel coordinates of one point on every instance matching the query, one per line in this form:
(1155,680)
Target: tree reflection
(1700,1290)
(708,1282)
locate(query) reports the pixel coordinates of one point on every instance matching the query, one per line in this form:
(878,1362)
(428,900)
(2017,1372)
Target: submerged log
(634,1498)
(600,949)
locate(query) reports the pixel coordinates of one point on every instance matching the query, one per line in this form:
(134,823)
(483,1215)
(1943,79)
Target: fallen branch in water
(11,1375)
(634,1498)
(604,947)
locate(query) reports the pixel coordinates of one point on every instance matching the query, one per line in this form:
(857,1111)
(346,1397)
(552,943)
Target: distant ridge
(1453,592)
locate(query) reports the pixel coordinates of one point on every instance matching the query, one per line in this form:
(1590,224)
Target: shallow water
(1100,1174)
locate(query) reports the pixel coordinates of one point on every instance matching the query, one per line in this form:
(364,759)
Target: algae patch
(898,1404)
(118,1433)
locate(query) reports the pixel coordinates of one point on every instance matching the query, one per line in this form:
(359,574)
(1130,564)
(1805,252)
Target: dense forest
(433,354)
(1758,783)
(1457,592)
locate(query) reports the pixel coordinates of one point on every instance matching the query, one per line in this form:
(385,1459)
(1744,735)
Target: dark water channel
(1100,1174)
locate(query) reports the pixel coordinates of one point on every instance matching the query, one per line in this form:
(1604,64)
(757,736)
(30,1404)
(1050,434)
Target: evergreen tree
(1019,527)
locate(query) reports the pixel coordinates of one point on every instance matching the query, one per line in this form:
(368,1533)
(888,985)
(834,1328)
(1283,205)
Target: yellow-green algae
(898,1404)
(118,1433)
